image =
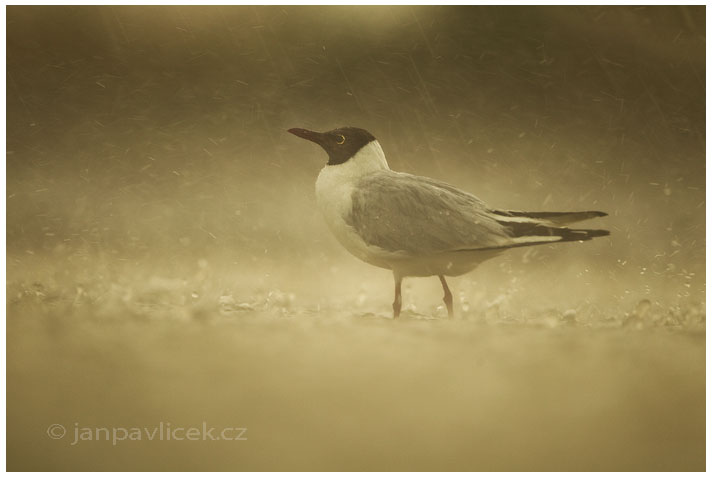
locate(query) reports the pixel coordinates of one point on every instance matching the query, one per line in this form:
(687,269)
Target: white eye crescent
(343,139)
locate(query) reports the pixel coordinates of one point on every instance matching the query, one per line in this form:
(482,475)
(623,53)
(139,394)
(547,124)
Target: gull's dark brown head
(341,144)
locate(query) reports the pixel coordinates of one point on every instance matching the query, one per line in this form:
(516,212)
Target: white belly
(451,264)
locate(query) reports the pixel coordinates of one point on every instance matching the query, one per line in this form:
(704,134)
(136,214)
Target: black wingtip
(591,233)
(553,218)
(569,235)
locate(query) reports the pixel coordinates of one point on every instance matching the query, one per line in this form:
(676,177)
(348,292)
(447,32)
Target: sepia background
(166,261)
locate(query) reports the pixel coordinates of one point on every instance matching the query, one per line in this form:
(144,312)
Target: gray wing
(400,212)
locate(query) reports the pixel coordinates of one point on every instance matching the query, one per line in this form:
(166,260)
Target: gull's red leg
(447,298)
(397,301)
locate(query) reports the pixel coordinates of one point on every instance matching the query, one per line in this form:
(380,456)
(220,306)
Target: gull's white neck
(370,158)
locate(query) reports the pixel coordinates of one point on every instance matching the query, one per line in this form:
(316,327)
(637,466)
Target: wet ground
(329,385)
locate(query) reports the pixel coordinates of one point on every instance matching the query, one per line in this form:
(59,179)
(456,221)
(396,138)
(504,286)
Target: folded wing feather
(399,212)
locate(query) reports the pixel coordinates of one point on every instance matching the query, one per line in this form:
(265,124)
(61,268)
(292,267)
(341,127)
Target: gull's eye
(341,140)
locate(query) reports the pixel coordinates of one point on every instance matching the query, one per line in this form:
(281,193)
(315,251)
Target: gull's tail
(532,228)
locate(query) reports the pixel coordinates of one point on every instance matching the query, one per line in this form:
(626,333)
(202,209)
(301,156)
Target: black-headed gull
(417,226)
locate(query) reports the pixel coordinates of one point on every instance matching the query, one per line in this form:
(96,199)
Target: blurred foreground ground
(338,385)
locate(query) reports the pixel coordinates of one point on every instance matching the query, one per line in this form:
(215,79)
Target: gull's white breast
(334,189)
